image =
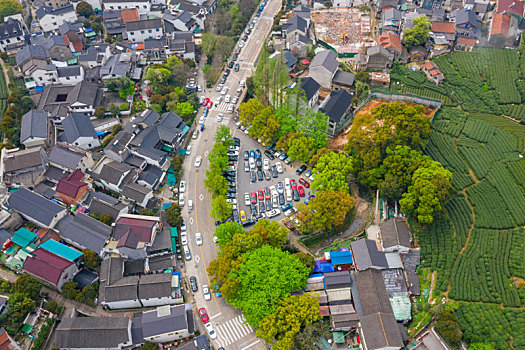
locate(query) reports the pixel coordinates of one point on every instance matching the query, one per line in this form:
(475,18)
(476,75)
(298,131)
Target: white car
(201,99)
(198,161)
(195,134)
(198,238)
(201,120)
(183,238)
(246,166)
(219,118)
(181,200)
(230,108)
(182,187)
(219,87)
(277,154)
(231,200)
(252,163)
(215,239)
(218,100)
(273,191)
(241,43)
(210,330)
(183,226)
(287,184)
(272,213)
(242,83)
(188,150)
(290,211)
(227,98)
(206,292)
(233,153)
(266,164)
(224,90)
(235,99)
(247,199)
(275,201)
(279,167)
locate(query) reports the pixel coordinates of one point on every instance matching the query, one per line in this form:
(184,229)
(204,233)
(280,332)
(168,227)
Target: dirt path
(432,285)
(473,221)
(6,73)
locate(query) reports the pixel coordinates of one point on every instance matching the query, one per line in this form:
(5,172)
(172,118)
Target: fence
(339,55)
(388,95)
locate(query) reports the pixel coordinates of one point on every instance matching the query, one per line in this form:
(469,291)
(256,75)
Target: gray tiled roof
(11,29)
(34,124)
(24,159)
(46,10)
(380,331)
(151,175)
(337,105)
(310,87)
(394,232)
(34,206)
(344,78)
(144,25)
(69,71)
(372,293)
(100,206)
(135,192)
(65,157)
(113,171)
(366,255)
(154,323)
(92,332)
(83,92)
(68,26)
(155,285)
(326,59)
(48,42)
(336,280)
(85,231)
(31,51)
(77,125)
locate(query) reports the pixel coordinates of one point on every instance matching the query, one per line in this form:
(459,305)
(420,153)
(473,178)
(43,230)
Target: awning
(174,232)
(91,34)
(339,337)
(166,205)
(39,88)
(27,328)
(185,130)
(182,152)
(167,148)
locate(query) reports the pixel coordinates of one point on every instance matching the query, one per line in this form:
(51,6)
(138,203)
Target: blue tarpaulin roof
(327,267)
(341,258)
(185,129)
(182,152)
(39,88)
(166,205)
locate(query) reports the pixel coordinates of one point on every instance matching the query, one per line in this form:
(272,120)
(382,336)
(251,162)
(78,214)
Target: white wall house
(51,19)
(71,75)
(138,31)
(143,6)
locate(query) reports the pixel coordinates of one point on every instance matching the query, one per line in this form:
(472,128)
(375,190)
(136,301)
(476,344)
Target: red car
(254,198)
(204,315)
(293,184)
(304,183)
(261,195)
(301,191)
(210,104)
(205,102)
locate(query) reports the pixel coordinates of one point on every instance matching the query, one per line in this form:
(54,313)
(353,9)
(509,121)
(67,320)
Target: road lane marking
(211,318)
(201,197)
(252,344)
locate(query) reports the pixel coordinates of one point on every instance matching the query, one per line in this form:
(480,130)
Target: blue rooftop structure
(341,258)
(62,250)
(23,237)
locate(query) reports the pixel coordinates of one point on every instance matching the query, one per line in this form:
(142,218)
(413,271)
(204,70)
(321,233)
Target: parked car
(246,155)
(260,175)
(280,188)
(262,207)
(301,169)
(253,198)
(206,292)
(293,184)
(275,174)
(279,167)
(210,330)
(193,283)
(266,164)
(247,200)
(252,177)
(304,182)
(272,213)
(269,154)
(295,195)
(204,315)
(195,134)
(257,154)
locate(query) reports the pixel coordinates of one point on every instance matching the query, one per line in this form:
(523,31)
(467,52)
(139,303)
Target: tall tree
(419,33)
(84,9)
(332,171)
(292,313)
(220,209)
(225,232)
(427,192)
(267,275)
(8,8)
(249,110)
(327,210)
(301,147)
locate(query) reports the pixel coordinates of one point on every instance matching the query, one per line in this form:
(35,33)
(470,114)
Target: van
(190,204)
(289,195)
(187,254)
(242,83)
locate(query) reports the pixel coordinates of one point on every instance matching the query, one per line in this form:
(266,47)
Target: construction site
(344,29)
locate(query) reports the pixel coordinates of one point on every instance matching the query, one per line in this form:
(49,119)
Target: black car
(230,195)
(245,38)
(275,174)
(235,215)
(246,155)
(252,177)
(193,283)
(260,175)
(236,139)
(262,208)
(227,72)
(232,190)
(229,173)
(248,222)
(295,195)
(249,31)
(257,154)
(258,163)
(301,169)
(235,57)
(253,208)
(231,183)
(233,158)
(268,204)
(269,154)
(281,199)
(259,217)
(218,223)
(237,67)
(231,64)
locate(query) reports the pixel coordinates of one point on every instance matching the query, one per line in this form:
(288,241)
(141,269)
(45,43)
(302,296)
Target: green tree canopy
(115,84)
(28,285)
(427,192)
(419,33)
(91,259)
(220,208)
(266,275)
(84,9)
(328,209)
(291,314)
(173,216)
(300,147)
(248,110)
(332,171)
(226,231)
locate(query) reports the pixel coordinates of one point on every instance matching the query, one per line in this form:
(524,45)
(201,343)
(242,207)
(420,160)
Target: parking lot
(245,185)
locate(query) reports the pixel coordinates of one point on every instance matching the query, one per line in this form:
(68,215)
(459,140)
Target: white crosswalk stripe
(232,330)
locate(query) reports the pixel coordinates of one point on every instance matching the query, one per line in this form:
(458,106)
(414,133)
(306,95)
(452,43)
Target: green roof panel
(61,250)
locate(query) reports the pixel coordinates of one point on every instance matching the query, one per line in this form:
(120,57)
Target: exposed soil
(338,143)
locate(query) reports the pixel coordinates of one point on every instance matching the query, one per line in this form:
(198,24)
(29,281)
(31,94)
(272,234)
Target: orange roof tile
(324,311)
(443,27)
(500,24)
(129,15)
(390,39)
(467,41)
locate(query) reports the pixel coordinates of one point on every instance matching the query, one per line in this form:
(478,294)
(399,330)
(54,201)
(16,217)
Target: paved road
(228,322)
